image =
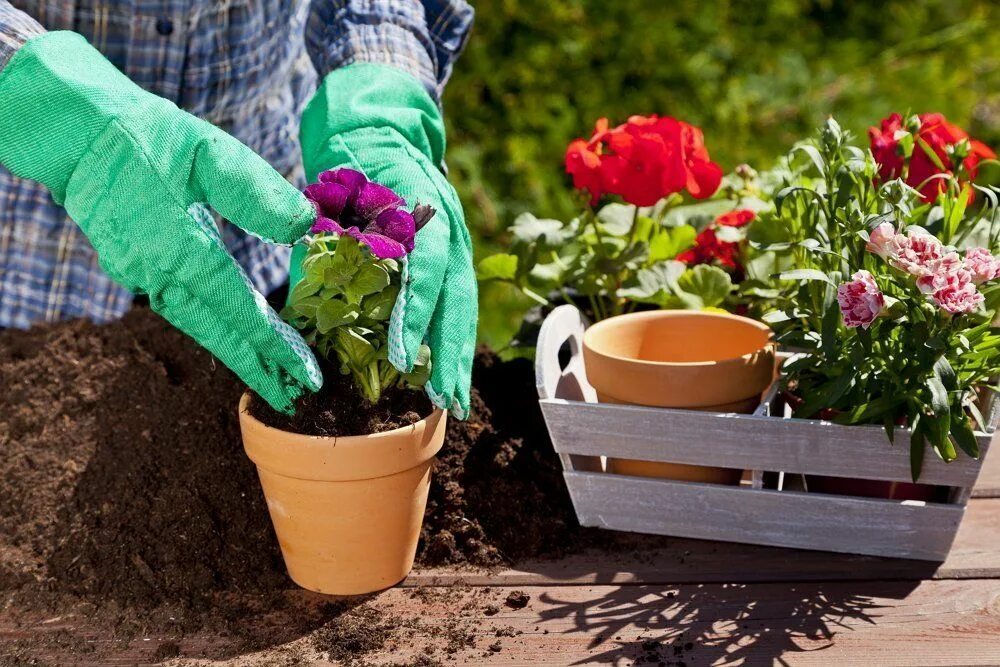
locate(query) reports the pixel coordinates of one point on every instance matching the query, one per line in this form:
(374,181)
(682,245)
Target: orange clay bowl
(347,511)
(680,359)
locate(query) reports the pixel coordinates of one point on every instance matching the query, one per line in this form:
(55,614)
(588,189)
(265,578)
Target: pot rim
(672,313)
(290,454)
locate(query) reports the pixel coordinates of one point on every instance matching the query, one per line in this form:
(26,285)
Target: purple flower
(348,203)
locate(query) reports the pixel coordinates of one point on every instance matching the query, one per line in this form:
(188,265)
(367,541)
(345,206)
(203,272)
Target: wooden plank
(760,516)
(744,441)
(975,554)
(988,484)
(891,624)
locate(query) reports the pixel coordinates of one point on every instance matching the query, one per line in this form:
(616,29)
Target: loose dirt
(127,499)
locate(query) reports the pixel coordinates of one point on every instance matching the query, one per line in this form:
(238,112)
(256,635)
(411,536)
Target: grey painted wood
(778,518)
(745,442)
(752,442)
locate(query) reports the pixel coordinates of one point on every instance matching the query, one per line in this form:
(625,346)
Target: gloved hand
(131,169)
(380,120)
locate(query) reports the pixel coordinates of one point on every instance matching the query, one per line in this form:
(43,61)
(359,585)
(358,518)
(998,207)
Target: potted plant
(653,272)
(346,477)
(636,244)
(886,284)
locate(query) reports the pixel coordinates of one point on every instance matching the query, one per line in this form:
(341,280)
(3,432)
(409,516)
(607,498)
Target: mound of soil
(126,487)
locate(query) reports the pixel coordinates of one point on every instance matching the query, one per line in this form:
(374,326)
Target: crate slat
(745,441)
(778,518)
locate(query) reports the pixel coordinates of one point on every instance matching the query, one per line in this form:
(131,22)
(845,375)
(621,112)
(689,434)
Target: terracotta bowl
(680,359)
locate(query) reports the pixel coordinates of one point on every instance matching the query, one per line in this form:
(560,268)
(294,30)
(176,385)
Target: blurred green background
(755,75)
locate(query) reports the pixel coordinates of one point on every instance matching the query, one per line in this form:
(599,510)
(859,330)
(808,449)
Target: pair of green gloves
(133,171)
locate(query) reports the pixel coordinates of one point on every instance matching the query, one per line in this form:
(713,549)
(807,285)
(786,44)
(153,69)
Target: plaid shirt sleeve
(420,37)
(16,28)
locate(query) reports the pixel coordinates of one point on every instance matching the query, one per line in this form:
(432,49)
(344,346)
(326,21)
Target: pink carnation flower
(861,300)
(954,291)
(983,266)
(884,241)
(921,255)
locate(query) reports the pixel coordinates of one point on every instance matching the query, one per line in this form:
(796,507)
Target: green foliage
(755,76)
(342,307)
(916,364)
(608,262)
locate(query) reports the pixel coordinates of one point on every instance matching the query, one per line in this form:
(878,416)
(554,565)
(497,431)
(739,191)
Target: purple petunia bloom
(347,203)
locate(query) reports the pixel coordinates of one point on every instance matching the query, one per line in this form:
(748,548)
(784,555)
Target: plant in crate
(347,506)
(652,251)
(885,277)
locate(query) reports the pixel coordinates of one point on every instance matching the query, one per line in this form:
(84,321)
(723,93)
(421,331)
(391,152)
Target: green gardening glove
(132,170)
(379,120)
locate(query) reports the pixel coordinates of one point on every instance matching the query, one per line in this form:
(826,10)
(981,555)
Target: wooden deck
(694,603)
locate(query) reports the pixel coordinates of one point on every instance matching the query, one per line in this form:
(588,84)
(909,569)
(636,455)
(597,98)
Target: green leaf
(831,325)
(421,372)
(334,313)
(868,411)
(379,306)
(616,219)
(770,232)
(306,306)
(668,242)
(806,274)
(813,153)
(369,279)
(775,317)
(710,284)
(303,289)
(944,372)
(965,438)
(917,446)
(937,432)
(549,234)
(355,349)
(826,395)
(654,284)
(940,402)
(497,267)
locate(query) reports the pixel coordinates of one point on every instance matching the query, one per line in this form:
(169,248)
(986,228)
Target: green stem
(632,229)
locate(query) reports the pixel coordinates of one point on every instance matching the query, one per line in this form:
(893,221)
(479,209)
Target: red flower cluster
(708,248)
(643,160)
(940,136)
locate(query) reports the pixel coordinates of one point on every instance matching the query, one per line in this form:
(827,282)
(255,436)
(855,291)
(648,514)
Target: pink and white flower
(983,266)
(954,291)
(861,301)
(884,241)
(921,255)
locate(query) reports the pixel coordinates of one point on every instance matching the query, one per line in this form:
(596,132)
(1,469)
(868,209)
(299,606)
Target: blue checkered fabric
(248,66)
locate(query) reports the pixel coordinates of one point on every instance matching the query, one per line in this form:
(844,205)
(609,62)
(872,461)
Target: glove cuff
(371,96)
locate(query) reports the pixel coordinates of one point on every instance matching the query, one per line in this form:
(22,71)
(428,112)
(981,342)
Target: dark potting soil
(335,409)
(127,496)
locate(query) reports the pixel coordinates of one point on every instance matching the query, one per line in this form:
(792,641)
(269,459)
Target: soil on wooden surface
(127,499)
(335,411)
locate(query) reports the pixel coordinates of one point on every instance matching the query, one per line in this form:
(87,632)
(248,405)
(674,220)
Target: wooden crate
(585,432)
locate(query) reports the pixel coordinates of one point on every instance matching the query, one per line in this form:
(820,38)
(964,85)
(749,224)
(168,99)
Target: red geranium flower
(741,217)
(643,160)
(935,141)
(709,249)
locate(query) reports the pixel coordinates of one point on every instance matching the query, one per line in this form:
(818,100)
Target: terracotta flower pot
(680,359)
(347,511)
